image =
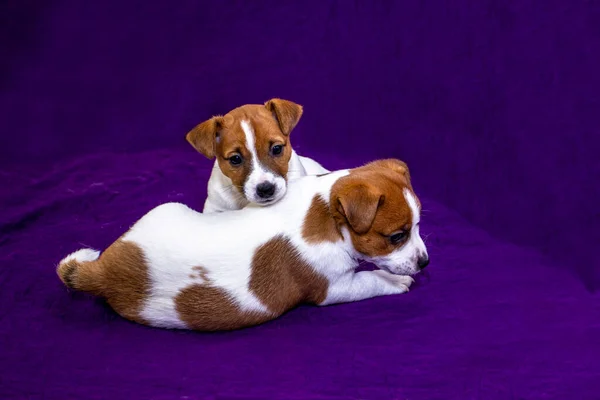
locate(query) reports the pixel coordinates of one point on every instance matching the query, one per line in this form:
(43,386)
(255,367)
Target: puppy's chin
(264,203)
(399,269)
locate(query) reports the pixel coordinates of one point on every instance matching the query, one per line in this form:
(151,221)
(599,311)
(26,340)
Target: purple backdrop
(494,105)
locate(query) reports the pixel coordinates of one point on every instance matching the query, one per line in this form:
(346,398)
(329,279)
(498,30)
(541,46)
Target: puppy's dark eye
(235,160)
(277,149)
(398,237)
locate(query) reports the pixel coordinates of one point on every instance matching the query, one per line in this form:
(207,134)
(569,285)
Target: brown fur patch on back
(319,225)
(125,276)
(281,279)
(207,308)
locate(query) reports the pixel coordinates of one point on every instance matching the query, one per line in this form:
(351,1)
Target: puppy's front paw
(402,282)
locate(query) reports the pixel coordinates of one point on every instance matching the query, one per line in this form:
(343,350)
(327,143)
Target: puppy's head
(252,147)
(377,209)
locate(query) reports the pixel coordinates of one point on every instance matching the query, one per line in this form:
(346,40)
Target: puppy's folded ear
(358,204)
(286,113)
(203,137)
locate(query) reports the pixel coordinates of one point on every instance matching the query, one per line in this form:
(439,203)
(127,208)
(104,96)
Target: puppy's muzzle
(265,190)
(422,262)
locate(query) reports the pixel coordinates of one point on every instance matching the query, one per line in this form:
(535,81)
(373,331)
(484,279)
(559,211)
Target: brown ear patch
(207,308)
(319,225)
(281,279)
(123,271)
(203,136)
(287,113)
(357,202)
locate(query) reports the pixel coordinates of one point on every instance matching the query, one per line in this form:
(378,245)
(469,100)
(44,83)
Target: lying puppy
(177,268)
(254,156)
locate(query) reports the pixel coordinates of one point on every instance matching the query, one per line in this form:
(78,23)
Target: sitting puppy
(254,156)
(177,268)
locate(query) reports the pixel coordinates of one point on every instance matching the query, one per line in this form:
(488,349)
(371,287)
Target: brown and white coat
(177,268)
(254,155)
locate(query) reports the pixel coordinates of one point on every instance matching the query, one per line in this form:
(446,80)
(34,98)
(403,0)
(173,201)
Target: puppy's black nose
(422,262)
(265,190)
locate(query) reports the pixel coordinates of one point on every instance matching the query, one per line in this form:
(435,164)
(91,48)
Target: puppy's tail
(82,271)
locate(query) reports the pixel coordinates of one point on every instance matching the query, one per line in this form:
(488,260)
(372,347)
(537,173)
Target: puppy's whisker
(236,194)
(234,186)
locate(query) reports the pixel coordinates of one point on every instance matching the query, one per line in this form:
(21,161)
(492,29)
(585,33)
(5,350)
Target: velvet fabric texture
(493,104)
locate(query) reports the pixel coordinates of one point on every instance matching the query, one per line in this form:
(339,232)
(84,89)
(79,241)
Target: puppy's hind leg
(365,285)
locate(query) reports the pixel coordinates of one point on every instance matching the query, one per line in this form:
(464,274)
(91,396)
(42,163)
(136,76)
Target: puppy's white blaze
(259,173)
(415,236)
(250,142)
(414,207)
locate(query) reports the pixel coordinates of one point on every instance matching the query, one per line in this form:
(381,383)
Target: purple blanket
(493,104)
